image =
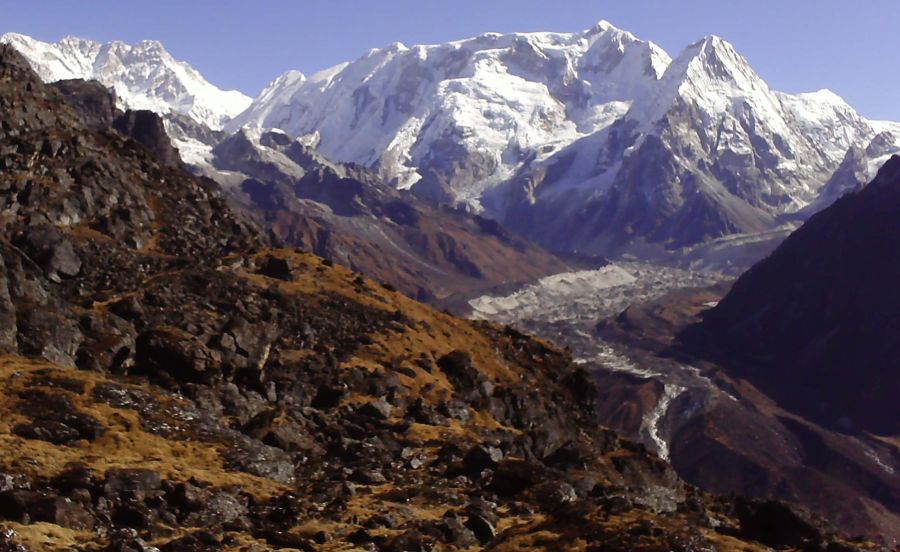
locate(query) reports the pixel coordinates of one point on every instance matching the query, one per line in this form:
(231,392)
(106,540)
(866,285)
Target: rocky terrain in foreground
(173,383)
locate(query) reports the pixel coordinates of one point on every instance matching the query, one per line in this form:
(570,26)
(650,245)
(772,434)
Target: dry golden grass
(47,537)
(435,334)
(540,533)
(83,231)
(431,335)
(124,444)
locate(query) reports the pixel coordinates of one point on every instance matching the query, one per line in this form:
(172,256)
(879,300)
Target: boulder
(51,250)
(45,333)
(31,506)
(482,528)
(7,313)
(164,351)
(481,457)
(460,370)
(455,533)
(131,483)
(55,419)
(147,129)
(375,410)
(275,267)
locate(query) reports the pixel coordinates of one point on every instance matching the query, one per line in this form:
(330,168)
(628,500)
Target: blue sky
(850,47)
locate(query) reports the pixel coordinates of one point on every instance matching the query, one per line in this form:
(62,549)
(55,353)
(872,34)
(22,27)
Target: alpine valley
(216,298)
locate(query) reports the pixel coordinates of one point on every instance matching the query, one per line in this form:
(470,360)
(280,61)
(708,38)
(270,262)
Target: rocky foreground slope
(171,383)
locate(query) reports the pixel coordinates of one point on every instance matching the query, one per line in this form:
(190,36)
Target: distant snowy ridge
(143,75)
(593,142)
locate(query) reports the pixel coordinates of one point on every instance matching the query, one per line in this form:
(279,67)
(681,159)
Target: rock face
(713,152)
(858,167)
(180,387)
(147,129)
(817,324)
(94,103)
(96,107)
(726,435)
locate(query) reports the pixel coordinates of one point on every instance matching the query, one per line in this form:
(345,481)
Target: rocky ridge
(346,214)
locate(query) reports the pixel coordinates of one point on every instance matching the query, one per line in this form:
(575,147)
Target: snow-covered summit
(711,74)
(143,75)
(461,116)
(575,138)
(712,150)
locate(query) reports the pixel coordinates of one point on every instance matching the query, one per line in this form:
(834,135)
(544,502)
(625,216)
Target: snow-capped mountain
(587,141)
(143,75)
(454,119)
(715,151)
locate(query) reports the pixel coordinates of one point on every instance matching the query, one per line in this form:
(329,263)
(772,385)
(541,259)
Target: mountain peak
(397,47)
(709,72)
(289,76)
(144,75)
(711,54)
(77,42)
(712,41)
(606,29)
(145,49)
(825,96)
(12,38)
(714,53)
(602,26)
(151,46)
